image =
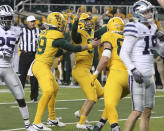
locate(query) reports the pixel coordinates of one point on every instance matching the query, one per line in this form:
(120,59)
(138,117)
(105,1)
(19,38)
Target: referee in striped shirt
(28,48)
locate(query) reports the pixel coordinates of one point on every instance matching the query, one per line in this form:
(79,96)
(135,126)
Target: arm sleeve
(76,37)
(15,59)
(100,32)
(59,53)
(126,50)
(70,26)
(67,36)
(61,43)
(160,48)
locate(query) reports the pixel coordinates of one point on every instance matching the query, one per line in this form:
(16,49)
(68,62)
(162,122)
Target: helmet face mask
(85,22)
(6,16)
(148,15)
(143,11)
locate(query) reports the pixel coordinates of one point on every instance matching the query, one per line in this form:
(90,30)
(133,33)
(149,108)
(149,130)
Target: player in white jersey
(137,54)
(9,37)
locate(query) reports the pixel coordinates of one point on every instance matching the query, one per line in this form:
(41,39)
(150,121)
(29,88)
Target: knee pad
(21,102)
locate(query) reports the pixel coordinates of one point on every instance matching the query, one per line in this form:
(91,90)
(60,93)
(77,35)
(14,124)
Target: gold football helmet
(56,19)
(115,24)
(85,22)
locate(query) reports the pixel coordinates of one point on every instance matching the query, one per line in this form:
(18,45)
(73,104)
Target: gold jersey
(116,41)
(46,52)
(85,57)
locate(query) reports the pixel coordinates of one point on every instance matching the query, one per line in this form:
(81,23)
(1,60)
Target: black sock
(102,120)
(101,123)
(114,125)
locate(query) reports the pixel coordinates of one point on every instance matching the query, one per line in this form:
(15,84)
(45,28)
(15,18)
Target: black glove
(160,36)
(138,77)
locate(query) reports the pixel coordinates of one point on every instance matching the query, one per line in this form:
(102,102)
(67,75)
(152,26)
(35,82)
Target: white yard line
(3,103)
(57,108)
(16,129)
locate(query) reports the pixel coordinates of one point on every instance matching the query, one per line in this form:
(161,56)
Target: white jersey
(8,40)
(141,54)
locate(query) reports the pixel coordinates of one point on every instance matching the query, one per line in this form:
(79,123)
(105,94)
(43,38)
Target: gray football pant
(12,81)
(142,95)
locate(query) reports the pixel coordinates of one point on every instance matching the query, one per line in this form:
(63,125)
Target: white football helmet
(143,11)
(6,16)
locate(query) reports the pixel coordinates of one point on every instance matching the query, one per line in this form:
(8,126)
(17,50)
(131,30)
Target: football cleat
(55,123)
(77,115)
(90,127)
(41,126)
(30,128)
(117,128)
(97,127)
(81,126)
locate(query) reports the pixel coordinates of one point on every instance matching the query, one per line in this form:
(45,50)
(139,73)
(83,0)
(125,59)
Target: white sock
(27,123)
(24,112)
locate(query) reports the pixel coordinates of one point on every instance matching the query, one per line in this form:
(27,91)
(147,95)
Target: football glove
(138,77)
(94,77)
(160,36)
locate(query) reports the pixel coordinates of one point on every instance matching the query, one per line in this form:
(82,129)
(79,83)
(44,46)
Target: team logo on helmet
(6,16)
(143,11)
(116,25)
(56,19)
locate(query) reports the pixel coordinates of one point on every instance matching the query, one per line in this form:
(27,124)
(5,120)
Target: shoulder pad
(53,34)
(17,30)
(131,29)
(106,37)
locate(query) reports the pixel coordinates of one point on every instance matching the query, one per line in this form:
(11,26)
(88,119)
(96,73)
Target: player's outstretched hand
(95,43)
(94,77)
(78,13)
(160,36)
(138,77)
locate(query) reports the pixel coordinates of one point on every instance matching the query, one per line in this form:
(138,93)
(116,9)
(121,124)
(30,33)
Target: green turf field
(68,101)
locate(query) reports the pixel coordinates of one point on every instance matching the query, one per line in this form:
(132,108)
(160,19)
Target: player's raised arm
(160,43)
(70,47)
(76,37)
(161,2)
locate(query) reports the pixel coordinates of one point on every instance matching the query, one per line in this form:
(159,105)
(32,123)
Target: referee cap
(30,18)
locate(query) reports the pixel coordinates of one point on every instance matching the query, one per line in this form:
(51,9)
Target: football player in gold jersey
(50,43)
(82,34)
(116,85)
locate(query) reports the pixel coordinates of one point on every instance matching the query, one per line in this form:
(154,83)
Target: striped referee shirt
(29,39)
